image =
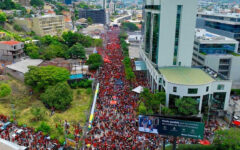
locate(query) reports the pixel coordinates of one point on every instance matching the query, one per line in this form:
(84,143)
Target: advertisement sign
(171,127)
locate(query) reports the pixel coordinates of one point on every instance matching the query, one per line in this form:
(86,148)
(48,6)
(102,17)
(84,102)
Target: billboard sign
(171,127)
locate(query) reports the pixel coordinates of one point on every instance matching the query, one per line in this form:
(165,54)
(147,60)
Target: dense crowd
(115,125)
(26,136)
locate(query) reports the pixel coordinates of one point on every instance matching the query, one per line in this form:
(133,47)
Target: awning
(237,123)
(140,65)
(138,89)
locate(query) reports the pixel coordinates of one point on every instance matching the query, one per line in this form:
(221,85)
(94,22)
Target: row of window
(195,90)
(154,7)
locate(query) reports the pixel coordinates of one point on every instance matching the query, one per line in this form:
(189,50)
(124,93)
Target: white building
(218,53)
(167,52)
(11,50)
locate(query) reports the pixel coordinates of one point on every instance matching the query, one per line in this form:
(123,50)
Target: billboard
(171,127)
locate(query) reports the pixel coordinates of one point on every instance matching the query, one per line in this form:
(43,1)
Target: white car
(17,132)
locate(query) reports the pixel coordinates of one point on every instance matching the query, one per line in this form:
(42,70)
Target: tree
(227,139)
(5,90)
(186,106)
(38,113)
(129,26)
(76,51)
(42,77)
(89,20)
(7,5)
(3,18)
(95,61)
(58,96)
(152,101)
(142,109)
(37,3)
(17,27)
(32,50)
(98,42)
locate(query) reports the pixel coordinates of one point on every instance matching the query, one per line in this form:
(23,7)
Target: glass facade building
(148,32)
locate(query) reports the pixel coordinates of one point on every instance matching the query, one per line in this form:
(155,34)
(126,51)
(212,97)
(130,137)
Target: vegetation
(81,84)
(76,51)
(38,113)
(129,26)
(5,90)
(44,127)
(193,147)
(37,3)
(235,91)
(94,61)
(124,47)
(24,103)
(151,102)
(3,18)
(90,21)
(186,106)
(128,69)
(7,5)
(227,139)
(42,77)
(58,96)
(17,27)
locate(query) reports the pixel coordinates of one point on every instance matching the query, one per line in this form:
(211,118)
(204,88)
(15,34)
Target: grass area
(23,103)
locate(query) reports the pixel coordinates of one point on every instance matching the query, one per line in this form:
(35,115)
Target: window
(155,38)
(192,91)
(160,80)
(177,33)
(174,89)
(163,82)
(220,87)
(207,88)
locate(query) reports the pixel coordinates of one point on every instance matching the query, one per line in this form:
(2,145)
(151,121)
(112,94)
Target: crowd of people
(115,125)
(26,136)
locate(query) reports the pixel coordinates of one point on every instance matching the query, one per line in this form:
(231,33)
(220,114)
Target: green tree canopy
(37,3)
(5,90)
(7,5)
(42,77)
(95,61)
(71,38)
(228,139)
(32,50)
(76,51)
(38,113)
(3,17)
(58,96)
(129,26)
(89,21)
(152,101)
(186,106)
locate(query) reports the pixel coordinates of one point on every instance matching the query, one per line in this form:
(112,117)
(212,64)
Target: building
(167,52)
(218,53)
(24,2)
(223,24)
(97,15)
(43,25)
(11,50)
(17,70)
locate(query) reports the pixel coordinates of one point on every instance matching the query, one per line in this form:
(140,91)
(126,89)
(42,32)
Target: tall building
(97,15)
(223,24)
(68,2)
(167,52)
(43,25)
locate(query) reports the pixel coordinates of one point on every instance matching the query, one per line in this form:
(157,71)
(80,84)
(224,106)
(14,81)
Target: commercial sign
(171,127)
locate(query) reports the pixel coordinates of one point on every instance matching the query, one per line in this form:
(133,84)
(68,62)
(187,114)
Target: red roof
(9,42)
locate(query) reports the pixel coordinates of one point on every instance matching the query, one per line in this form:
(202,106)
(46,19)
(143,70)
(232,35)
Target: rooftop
(230,15)
(186,76)
(6,145)
(9,42)
(208,37)
(22,66)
